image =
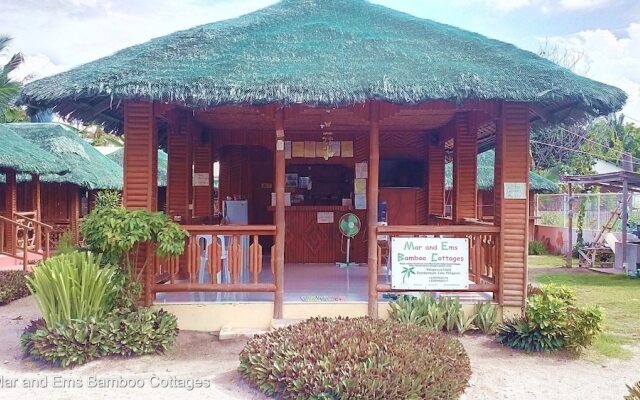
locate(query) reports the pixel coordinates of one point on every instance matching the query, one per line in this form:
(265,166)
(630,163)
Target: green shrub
(72,287)
(486,317)
(634,392)
(76,342)
(552,322)
(355,359)
(13,286)
(66,244)
(408,310)
(537,248)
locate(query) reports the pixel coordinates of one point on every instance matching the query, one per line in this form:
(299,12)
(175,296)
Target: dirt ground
(199,358)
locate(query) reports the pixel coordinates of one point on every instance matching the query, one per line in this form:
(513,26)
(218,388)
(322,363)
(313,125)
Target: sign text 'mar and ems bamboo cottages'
(430,263)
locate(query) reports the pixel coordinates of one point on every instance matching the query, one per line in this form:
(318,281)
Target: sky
(55,35)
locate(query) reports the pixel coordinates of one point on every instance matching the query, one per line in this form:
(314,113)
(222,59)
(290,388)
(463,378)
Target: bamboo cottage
(316,109)
(56,202)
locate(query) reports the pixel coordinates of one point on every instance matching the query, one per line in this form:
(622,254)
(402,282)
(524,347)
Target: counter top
(303,208)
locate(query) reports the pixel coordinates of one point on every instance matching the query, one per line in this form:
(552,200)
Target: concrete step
(284,322)
(231,333)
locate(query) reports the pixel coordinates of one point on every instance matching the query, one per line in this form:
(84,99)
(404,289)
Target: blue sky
(58,34)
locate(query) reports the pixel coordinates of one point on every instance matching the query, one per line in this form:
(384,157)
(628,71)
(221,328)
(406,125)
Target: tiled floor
(319,283)
(8,263)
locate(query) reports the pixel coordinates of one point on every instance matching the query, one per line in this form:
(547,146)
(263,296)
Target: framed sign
(201,179)
(429,263)
(324,217)
(515,190)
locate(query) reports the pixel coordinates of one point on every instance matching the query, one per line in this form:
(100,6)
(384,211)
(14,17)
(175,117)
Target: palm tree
(8,89)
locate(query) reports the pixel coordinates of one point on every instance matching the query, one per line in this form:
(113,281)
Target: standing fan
(349,225)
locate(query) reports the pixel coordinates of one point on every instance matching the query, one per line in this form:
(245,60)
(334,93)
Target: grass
(548,261)
(618,295)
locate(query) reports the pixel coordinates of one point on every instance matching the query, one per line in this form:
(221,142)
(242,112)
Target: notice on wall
(362,170)
(201,179)
(360,186)
(515,190)
(334,148)
(287,149)
(310,149)
(360,201)
(297,149)
(430,263)
(346,149)
(325,217)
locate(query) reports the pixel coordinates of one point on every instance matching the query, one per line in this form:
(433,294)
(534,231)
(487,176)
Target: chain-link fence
(553,209)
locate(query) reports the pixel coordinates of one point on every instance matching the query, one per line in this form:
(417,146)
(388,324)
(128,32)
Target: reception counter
(313,235)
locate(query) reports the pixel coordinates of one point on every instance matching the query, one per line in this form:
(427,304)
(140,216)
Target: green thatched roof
(318,52)
(486,163)
(21,155)
(86,166)
(163,161)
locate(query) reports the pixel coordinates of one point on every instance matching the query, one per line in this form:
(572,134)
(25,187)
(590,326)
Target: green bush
(79,341)
(356,359)
(634,392)
(537,248)
(72,287)
(66,244)
(486,317)
(552,322)
(13,286)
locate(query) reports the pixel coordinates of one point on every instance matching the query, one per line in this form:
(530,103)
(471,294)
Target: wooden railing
(483,251)
(203,267)
(12,243)
(37,233)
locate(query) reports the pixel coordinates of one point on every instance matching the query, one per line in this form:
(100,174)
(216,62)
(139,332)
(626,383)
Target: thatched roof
(319,52)
(21,155)
(86,166)
(163,161)
(486,164)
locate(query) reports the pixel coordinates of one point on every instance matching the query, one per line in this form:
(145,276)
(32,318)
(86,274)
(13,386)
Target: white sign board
(515,190)
(201,179)
(325,217)
(429,263)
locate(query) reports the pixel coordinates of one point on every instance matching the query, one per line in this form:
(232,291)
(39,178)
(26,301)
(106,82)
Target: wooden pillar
(11,207)
(625,221)
(569,254)
(74,211)
(435,171)
(179,168)
(140,175)
(512,203)
(479,203)
(35,205)
(372,207)
(465,165)
(202,165)
(279,216)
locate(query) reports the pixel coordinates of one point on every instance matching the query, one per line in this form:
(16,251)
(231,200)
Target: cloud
(609,59)
(543,5)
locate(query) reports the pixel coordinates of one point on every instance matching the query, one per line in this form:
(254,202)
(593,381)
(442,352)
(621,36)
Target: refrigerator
(236,212)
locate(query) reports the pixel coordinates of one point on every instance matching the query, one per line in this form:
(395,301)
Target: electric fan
(349,225)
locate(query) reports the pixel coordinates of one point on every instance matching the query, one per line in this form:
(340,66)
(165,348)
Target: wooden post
(465,160)
(625,221)
(372,207)
(35,204)
(202,164)
(569,253)
(435,170)
(11,207)
(74,211)
(140,176)
(179,168)
(512,203)
(279,215)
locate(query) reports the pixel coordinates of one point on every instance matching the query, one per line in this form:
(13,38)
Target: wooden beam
(435,174)
(35,204)
(512,209)
(465,153)
(74,211)
(11,207)
(279,215)
(372,206)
